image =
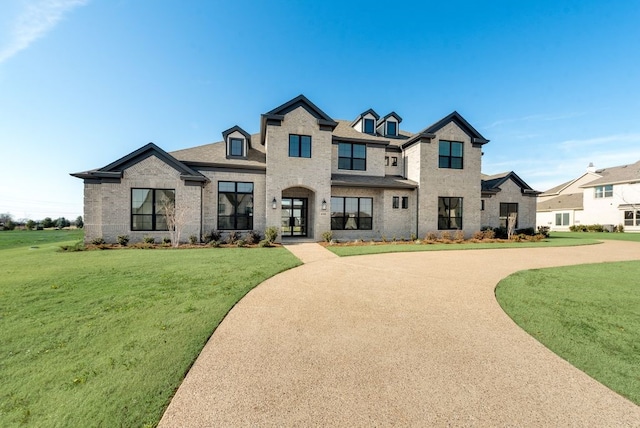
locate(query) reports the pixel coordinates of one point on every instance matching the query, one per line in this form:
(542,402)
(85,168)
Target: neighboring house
(607,196)
(306,173)
(504,194)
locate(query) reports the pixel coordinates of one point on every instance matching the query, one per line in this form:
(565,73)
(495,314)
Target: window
(482,205)
(394,161)
(299,146)
(149,208)
(449,213)
(450,154)
(392,128)
(405,202)
(351,213)
(396,202)
(352,156)
(629,218)
(604,191)
(236,146)
(369,126)
(562,219)
(235,205)
(386,161)
(505,210)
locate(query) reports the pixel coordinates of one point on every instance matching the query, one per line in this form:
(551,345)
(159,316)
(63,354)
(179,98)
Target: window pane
(225,222)
(344,163)
(236,147)
(456,149)
(359,151)
(305,149)
(391,128)
(368,126)
(226,186)
(444,149)
(396,202)
(245,187)
(366,223)
(226,203)
(142,201)
(142,222)
(337,223)
(443,162)
(337,206)
(351,206)
(405,202)
(565,219)
(294,146)
(344,150)
(245,205)
(366,207)
(359,165)
(456,163)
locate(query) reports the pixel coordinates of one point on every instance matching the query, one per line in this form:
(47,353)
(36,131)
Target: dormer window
(388,125)
(392,128)
(236,147)
(369,126)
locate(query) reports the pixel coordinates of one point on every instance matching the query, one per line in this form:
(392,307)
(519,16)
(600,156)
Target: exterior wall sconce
(324,204)
(274,203)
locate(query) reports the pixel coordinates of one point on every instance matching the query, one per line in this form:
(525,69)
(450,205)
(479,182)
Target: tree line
(8,223)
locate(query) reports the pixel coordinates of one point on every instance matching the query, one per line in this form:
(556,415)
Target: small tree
(511,224)
(30,224)
(79,222)
(176,217)
(47,222)
(61,222)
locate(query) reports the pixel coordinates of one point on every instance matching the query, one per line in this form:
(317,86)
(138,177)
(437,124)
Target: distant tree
(79,222)
(5,218)
(47,222)
(6,222)
(30,224)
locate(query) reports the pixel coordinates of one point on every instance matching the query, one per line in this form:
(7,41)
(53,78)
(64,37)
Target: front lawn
(588,315)
(626,236)
(104,338)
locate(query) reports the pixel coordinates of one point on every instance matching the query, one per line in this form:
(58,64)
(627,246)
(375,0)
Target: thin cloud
(604,141)
(535,118)
(33,21)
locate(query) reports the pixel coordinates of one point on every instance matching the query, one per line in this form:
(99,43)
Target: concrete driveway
(404,339)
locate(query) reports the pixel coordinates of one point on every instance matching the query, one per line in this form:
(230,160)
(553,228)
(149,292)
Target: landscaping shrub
(253,237)
(264,243)
(445,235)
(459,235)
(500,232)
(619,228)
(271,234)
(214,235)
(526,231)
(489,234)
(78,246)
(233,237)
(479,235)
(149,240)
(215,244)
(327,236)
(193,239)
(123,240)
(98,241)
(241,243)
(431,236)
(166,240)
(544,231)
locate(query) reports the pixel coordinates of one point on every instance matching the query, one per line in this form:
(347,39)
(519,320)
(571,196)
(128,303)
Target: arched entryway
(296,212)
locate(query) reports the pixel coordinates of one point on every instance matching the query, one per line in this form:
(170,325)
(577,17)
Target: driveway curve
(404,339)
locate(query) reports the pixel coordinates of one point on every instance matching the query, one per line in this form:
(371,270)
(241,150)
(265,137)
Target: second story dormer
(237,142)
(366,122)
(389,126)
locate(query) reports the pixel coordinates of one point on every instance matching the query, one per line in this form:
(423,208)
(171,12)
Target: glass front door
(294,217)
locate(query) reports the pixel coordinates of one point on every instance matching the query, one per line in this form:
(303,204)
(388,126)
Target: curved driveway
(393,339)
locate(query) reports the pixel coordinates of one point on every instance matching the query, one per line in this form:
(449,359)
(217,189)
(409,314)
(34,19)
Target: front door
(294,217)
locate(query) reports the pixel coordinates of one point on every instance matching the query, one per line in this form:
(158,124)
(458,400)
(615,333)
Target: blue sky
(553,84)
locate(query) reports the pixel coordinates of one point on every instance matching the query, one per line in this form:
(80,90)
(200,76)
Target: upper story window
(604,191)
(450,154)
(352,156)
(299,146)
(369,126)
(236,147)
(150,207)
(392,128)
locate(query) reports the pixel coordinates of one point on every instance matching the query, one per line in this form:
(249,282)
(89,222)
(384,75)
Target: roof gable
(456,118)
(492,183)
(233,129)
(392,114)
(375,115)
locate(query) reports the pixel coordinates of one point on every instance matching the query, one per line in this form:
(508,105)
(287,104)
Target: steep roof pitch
(392,114)
(617,174)
(455,117)
(115,169)
(363,114)
(492,183)
(572,201)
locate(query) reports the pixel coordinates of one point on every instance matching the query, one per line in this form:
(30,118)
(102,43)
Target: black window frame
(395,128)
(296,141)
(236,217)
(506,208)
(448,160)
(394,161)
(349,162)
(155,214)
(240,141)
(395,202)
(340,222)
(386,161)
(445,219)
(373,126)
(405,202)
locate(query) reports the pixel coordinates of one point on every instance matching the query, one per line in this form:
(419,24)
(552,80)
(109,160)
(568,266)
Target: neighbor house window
(482,205)
(604,191)
(450,154)
(299,146)
(396,202)
(449,213)
(351,213)
(405,202)
(369,126)
(507,209)
(392,128)
(394,161)
(352,156)
(235,205)
(562,219)
(236,147)
(632,218)
(149,208)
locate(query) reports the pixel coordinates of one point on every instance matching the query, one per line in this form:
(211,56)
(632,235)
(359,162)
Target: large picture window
(352,156)
(299,146)
(149,208)
(351,213)
(632,218)
(450,154)
(449,213)
(604,191)
(505,210)
(235,205)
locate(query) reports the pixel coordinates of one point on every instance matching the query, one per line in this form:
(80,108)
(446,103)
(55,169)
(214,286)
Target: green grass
(586,314)
(634,237)
(104,338)
(357,250)
(28,238)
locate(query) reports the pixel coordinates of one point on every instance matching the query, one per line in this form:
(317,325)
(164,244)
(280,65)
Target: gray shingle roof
(617,174)
(216,153)
(572,201)
(492,183)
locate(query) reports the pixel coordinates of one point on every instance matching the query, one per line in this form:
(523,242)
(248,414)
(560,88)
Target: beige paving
(405,339)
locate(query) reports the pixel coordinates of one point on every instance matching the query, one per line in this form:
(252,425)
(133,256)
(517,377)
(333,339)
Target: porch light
(274,203)
(324,205)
